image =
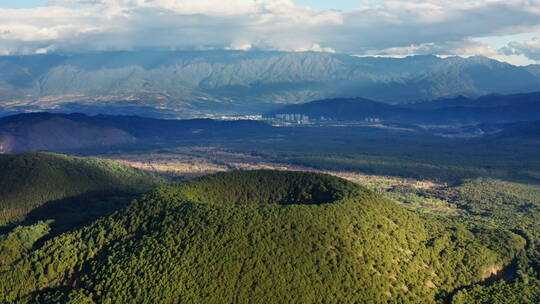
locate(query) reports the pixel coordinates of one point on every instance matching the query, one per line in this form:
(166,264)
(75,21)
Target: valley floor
(190,162)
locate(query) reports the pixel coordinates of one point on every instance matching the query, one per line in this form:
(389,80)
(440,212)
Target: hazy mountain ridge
(486,109)
(200,82)
(58,132)
(533,69)
(45,131)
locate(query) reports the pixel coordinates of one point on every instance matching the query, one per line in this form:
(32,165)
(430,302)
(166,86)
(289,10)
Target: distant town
(294,119)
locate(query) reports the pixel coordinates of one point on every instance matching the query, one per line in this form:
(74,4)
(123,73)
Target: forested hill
(259,237)
(187,83)
(486,109)
(46,184)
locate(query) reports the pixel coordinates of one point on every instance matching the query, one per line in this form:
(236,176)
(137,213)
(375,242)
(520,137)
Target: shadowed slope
(31,180)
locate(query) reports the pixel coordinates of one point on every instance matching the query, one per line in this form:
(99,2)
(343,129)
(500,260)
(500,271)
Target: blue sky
(21,3)
(319,4)
(507,30)
(26,4)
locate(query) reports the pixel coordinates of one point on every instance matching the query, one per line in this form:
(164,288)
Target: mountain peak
(207,82)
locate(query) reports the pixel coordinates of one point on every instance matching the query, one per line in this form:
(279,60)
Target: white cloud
(240,46)
(378,27)
(315,48)
(405,23)
(529,48)
(450,48)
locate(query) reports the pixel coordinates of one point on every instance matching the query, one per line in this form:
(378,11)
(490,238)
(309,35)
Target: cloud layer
(376,27)
(528,48)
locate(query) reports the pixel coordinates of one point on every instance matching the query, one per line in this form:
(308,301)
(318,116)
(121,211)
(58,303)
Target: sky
(507,30)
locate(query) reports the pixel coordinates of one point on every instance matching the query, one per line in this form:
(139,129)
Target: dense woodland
(492,181)
(256,236)
(514,206)
(35,183)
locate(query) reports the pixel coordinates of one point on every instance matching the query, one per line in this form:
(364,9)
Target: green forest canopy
(31,180)
(258,236)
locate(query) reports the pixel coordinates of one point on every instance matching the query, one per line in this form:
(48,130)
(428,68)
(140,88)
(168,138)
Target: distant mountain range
(187,84)
(459,110)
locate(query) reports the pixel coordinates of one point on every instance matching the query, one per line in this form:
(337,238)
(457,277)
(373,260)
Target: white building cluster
(297,118)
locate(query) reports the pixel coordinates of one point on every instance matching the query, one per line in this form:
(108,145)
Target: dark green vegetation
(177,84)
(257,236)
(514,206)
(493,181)
(398,152)
(69,189)
(488,202)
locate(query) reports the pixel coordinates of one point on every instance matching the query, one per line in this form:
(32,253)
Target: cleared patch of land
(190,162)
